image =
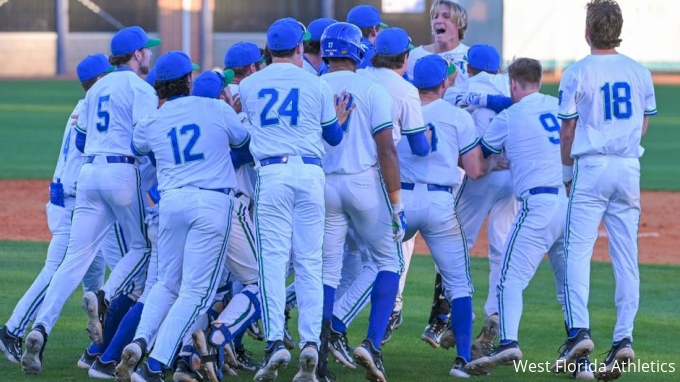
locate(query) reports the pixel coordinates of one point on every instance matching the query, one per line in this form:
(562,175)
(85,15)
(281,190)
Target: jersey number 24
(287,108)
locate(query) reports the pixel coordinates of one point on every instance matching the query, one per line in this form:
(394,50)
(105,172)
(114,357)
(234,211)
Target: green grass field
(32,117)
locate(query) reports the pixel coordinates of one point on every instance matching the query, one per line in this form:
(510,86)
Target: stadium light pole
(328,9)
(186,26)
(61,27)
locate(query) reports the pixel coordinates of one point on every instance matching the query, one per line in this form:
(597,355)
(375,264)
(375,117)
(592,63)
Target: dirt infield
(22,217)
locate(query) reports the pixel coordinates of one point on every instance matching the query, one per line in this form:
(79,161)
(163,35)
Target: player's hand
(344,104)
(398,222)
(237,105)
(499,162)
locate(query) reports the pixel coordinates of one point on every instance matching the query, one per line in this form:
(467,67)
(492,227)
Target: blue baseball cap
(130,39)
(484,57)
(241,54)
(365,16)
(210,84)
(172,65)
(317,27)
(151,77)
(92,66)
(286,34)
(431,71)
(392,41)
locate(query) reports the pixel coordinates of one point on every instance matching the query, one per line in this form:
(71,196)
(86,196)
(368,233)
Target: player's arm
(568,113)
(650,102)
(481,159)
(239,138)
(381,121)
(413,126)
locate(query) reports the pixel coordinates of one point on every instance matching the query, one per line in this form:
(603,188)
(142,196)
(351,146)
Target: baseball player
(190,138)
(365,163)
(293,112)
(313,62)
(367,18)
(528,133)
(111,107)
(243,58)
(58,210)
(429,174)
(491,195)
(448,21)
(605,103)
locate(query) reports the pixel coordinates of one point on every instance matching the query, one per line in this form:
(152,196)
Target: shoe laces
(438,326)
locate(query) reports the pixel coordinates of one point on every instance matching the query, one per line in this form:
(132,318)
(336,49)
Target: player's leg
(352,263)
(94,277)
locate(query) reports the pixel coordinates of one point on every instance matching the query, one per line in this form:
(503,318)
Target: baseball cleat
(574,347)
(207,367)
(395,321)
(11,346)
(31,361)
(484,343)
(96,307)
(339,348)
(458,368)
(183,373)
(584,369)
(309,358)
(254,330)
(619,357)
(503,354)
(433,332)
(448,339)
(245,360)
(130,359)
(87,360)
(287,337)
(367,356)
(102,370)
(275,357)
(143,374)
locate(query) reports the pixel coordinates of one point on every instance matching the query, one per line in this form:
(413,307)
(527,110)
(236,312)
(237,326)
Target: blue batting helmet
(342,40)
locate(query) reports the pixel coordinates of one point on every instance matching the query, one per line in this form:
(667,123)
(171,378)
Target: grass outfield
(33,114)
(406,357)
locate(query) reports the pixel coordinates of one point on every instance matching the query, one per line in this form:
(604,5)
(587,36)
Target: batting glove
(398,222)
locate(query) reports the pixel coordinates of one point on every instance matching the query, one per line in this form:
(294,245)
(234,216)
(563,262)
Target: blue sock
(573,332)
(442,317)
(117,310)
(154,365)
(461,323)
(338,325)
(238,340)
(269,344)
(384,293)
(124,335)
(505,342)
(328,300)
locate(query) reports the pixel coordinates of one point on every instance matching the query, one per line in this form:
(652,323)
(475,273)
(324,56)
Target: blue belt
(112,159)
(238,194)
(222,190)
(430,187)
(284,159)
(544,190)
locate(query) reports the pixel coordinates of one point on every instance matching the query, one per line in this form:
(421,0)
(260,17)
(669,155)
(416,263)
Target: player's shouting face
(443,27)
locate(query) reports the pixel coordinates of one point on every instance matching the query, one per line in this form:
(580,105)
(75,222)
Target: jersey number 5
(619,93)
(551,125)
(103,113)
(185,156)
(287,108)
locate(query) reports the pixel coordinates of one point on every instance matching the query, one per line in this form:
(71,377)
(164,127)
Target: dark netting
(26,16)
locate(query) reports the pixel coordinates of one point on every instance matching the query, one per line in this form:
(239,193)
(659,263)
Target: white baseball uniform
(528,133)
(406,117)
(108,185)
(59,223)
(491,195)
(457,56)
(288,107)
(355,190)
(427,188)
(610,95)
(191,139)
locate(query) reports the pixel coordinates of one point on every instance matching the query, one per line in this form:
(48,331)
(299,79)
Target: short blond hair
(526,71)
(458,15)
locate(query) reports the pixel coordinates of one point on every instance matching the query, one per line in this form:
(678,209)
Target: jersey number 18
(617,101)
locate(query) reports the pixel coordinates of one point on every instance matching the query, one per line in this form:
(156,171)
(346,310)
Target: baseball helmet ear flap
(342,40)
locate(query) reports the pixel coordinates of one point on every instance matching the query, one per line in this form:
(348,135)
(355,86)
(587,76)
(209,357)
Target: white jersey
(70,159)
(407,116)
(288,108)
(306,65)
(191,139)
(481,84)
(610,95)
(457,55)
(358,151)
(529,132)
(112,107)
(453,135)
(245,175)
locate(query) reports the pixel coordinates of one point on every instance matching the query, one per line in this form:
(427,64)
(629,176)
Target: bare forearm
(389,166)
(566,140)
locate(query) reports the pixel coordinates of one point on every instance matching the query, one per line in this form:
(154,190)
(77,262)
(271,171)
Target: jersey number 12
(617,101)
(185,156)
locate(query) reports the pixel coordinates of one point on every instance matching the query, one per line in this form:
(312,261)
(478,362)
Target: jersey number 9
(551,125)
(287,108)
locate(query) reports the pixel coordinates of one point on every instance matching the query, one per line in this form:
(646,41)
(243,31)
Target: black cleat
(11,346)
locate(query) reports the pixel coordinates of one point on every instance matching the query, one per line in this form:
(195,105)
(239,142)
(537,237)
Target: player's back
(533,142)
(358,151)
(112,106)
(454,132)
(285,104)
(190,138)
(610,95)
